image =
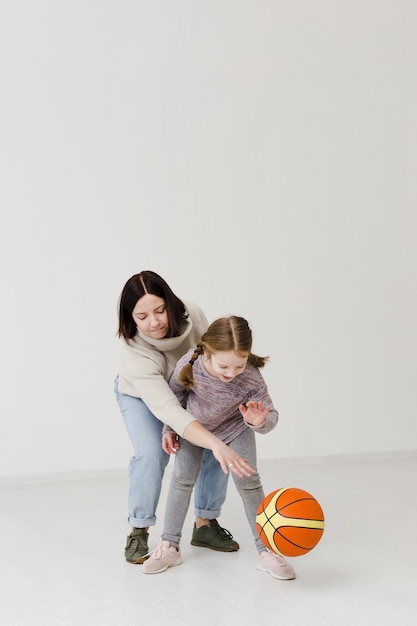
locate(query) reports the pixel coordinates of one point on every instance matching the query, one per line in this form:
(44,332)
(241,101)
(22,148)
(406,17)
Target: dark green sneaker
(214,537)
(136,550)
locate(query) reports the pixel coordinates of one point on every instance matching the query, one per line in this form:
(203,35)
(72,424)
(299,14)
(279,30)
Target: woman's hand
(254,413)
(231,461)
(170,443)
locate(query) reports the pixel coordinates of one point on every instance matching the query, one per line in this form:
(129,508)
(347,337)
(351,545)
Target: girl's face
(150,316)
(225,365)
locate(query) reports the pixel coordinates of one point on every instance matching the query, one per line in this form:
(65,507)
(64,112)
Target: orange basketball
(290,521)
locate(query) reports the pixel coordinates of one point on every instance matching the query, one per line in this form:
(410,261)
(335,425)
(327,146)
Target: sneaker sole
(268,571)
(210,547)
(138,561)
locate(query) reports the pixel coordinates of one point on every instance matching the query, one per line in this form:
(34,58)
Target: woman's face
(150,316)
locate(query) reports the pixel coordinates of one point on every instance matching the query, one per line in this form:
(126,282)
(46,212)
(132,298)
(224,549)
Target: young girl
(220,384)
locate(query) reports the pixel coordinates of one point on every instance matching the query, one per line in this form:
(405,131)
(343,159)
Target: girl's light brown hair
(223,335)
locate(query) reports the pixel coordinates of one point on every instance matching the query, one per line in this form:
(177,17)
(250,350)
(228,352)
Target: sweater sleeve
(261,394)
(147,381)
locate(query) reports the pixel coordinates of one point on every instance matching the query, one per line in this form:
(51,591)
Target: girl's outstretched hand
(254,412)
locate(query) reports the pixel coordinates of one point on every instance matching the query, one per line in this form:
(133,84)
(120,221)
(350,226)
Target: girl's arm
(254,413)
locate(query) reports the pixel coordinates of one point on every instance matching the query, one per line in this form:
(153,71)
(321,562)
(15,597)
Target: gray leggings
(186,467)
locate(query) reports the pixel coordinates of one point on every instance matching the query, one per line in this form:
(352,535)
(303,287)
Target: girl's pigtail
(185,376)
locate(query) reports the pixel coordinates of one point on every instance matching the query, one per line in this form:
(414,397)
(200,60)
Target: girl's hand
(254,413)
(170,443)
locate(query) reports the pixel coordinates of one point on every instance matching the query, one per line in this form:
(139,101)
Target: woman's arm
(142,378)
(196,434)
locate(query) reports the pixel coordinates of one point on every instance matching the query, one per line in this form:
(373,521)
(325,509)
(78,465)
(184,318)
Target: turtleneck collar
(171,343)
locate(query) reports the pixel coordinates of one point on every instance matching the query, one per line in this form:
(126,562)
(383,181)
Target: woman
(156,329)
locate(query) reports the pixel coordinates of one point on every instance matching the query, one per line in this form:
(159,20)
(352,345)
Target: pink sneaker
(275,564)
(162,557)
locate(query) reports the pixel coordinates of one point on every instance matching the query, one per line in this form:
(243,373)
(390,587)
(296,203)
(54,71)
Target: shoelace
(276,557)
(223,532)
(138,541)
(160,552)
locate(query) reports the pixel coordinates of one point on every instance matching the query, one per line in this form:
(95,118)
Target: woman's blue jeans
(148,464)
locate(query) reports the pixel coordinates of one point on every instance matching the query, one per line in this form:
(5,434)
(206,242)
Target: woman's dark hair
(224,334)
(148,282)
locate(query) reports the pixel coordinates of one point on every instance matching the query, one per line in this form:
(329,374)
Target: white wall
(262,157)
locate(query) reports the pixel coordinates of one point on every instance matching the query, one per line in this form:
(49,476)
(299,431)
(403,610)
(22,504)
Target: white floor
(61,556)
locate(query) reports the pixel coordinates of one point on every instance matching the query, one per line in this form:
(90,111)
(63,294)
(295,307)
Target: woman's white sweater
(146,365)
